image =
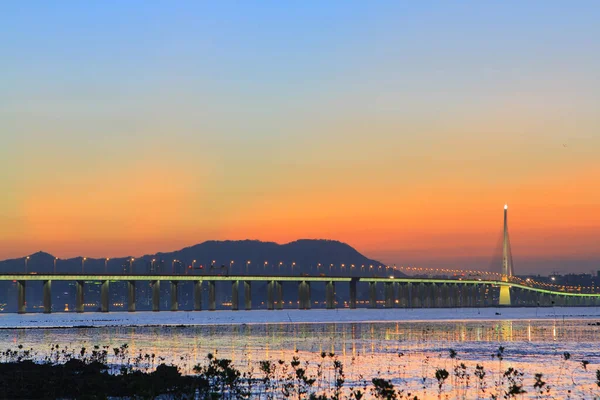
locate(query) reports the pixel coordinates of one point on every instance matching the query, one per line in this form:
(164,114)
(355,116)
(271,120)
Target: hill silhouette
(303,256)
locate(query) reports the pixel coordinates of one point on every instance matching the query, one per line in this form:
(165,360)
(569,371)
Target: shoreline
(260,317)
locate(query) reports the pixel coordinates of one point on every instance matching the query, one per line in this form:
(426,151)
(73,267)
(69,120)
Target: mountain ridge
(300,256)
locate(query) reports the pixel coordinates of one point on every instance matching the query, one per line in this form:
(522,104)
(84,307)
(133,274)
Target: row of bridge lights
(527,282)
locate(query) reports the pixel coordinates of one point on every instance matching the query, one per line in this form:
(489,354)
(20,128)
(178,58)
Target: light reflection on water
(404,351)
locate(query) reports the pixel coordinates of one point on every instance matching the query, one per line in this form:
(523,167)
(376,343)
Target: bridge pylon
(507,264)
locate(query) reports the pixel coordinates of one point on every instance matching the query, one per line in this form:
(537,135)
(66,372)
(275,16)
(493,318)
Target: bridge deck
(263,278)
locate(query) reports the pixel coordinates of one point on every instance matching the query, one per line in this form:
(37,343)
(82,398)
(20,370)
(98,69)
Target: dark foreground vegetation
(89,375)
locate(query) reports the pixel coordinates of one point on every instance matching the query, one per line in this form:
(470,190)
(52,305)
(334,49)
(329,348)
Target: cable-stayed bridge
(366,286)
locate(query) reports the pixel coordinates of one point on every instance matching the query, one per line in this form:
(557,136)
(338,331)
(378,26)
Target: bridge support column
(443,295)
(479,294)
(330,295)
(402,295)
(271,295)
(174,296)
(21,309)
(47,295)
(198,296)
(504,295)
(304,295)
(439,295)
(470,295)
(432,293)
(235,295)
(301,296)
(428,295)
(278,295)
(416,293)
(409,295)
(79,296)
(373,294)
(455,295)
(212,296)
(248,295)
(104,294)
(304,291)
(389,295)
(131,296)
(353,293)
(155,295)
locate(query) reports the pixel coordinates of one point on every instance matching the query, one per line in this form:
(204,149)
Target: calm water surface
(405,351)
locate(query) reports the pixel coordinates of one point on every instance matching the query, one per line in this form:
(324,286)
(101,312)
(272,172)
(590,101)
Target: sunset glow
(332,123)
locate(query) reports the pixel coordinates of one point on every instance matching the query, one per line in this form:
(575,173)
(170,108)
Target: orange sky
(402,134)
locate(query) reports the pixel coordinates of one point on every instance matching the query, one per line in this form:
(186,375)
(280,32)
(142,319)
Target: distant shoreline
(259,317)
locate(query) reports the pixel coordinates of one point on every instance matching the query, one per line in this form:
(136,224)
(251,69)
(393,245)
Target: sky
(401,128)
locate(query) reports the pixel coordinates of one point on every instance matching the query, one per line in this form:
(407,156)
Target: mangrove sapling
(268,370)
(383,389)
(461,378)
(541,387)
(481,384)
(358,394)
(566,357)
(339,378)
(441,375)
(499,354)
(514,379)
(453,354)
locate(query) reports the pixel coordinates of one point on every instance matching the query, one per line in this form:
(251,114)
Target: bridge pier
(79,296)
(480,295)
(439,295)
(304,295)
(21,305)
(47,296)
(353,293)
(279,295)
(155,295)
(235,295)
(104,294)
(416,296)
(409,289)
(330,295)
(271,295)
(402,295)
(429,292)
(174,296)
(373,294)
(389,294)
(505,295)
(131,296)
(212,296)
(452,295)
(198,296)
(248,295)
(470,295)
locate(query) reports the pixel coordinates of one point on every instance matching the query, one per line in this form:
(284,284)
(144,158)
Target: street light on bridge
(26,262)
(106,265)
(83,264)
(131,265)
(55,259)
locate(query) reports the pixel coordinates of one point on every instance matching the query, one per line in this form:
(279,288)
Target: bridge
(440,288)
